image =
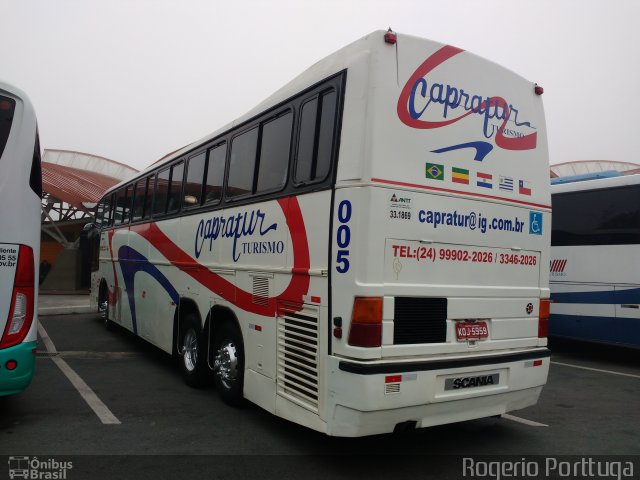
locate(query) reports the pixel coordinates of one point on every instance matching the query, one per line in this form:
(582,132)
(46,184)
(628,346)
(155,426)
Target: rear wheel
(228,364)
(192,351)
(103,306)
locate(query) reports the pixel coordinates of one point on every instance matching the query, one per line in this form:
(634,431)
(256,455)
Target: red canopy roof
(80,187)
(74,186)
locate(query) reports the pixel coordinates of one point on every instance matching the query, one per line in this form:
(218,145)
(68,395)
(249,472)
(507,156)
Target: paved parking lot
(108,392)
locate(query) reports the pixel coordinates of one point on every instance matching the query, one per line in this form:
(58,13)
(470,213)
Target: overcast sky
(133,80)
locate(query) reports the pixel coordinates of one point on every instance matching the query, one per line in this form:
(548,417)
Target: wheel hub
(226,364)
(102,309)
(190,350)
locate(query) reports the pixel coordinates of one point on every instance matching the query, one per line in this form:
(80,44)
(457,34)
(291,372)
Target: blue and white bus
(595,238)
(20,195)
(366,250)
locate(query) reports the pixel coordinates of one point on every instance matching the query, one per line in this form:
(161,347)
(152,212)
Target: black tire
(103,298)
(192,352)
(228,364)
(108,324)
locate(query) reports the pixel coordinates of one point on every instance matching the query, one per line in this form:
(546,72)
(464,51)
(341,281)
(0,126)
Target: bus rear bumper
(16,380)
(368,399)
(348,422)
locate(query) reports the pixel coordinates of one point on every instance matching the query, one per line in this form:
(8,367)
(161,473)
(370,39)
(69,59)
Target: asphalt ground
(589,407)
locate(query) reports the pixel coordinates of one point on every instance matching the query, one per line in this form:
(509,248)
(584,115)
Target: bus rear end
(20,190)
(440,247)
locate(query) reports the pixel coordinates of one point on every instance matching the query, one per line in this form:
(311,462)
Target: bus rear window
(7,108)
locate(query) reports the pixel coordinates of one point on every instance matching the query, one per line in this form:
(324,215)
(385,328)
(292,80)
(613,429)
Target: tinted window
(325,140)
(35,177)
(315,140)
(7,107)
(306,141)
(139,199)
(148,201)
(126,212)
(242,163)
(274,153)
(193,182)
(596,217)
(112,208)
(175,193)
(162,191)
(215,173)
(121,200)
(102,212)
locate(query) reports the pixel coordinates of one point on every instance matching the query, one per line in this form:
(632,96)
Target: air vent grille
(391,388)
(298,356)
(260,294)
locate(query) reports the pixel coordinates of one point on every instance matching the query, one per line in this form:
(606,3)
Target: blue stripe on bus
(132,262)
(611,297)
(622,331)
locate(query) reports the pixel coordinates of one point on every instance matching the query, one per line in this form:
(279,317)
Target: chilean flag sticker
(524,188)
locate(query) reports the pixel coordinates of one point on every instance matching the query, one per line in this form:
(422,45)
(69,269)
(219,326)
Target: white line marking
(88,395)
(531,423)
(48,344)
(596,370)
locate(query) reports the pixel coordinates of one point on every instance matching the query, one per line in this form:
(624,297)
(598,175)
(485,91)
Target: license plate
(467,330)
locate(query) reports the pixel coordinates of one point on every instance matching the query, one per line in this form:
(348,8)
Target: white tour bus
(20,193)
(595,286)
(361,252)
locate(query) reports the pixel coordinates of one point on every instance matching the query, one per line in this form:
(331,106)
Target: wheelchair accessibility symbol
(535,223)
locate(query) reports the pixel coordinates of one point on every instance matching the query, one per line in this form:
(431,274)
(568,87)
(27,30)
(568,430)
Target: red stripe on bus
(298,285)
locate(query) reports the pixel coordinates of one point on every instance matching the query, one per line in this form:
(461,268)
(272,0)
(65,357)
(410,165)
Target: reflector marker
(405,377)
(533,363)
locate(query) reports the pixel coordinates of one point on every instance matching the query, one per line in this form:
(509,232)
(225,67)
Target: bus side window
(242,163)
(215,173)
(162,192)
(139,199)
(102,212)
(112,209)
(126,215)
(193,181)
(315,139)
(175,190)
(121,198)
(275,146)
(148,201)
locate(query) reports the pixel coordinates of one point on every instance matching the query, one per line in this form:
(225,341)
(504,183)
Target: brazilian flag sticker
(435,171)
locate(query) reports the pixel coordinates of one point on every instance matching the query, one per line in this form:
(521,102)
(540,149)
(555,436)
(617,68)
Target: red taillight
(390,37)
(538,90)
(22,300)
(366,322)
(25,273)
(543,318)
